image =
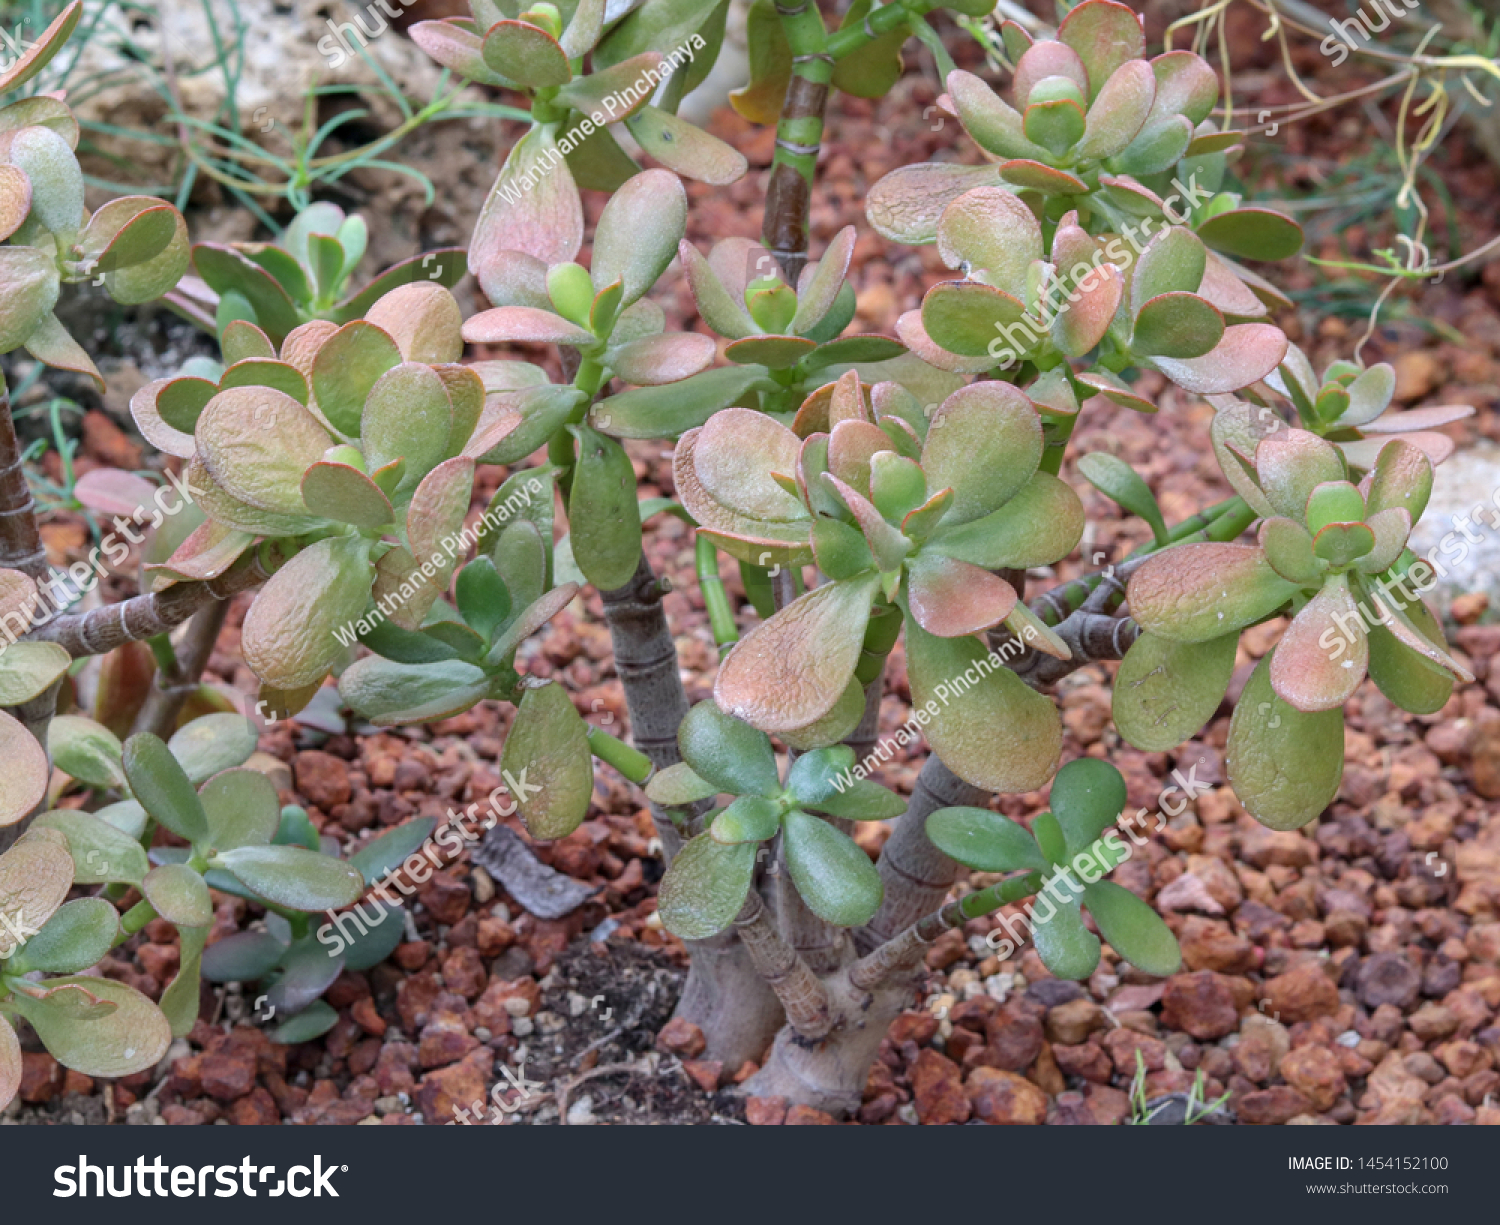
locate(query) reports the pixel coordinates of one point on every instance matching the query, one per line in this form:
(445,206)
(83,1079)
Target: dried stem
(20,540)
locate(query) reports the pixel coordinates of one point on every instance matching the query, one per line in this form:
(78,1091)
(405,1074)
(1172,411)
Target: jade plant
(885,499)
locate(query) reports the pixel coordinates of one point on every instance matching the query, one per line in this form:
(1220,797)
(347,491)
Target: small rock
(765,1111)
(1199,1004)
(1278,1104)
(1004,1098)
(1314,1072)
(681,1037)
(1073,1022)
(705,1073)
(806,1116)
(1303,993)
(1387,978)
(322,779)
(938,1089)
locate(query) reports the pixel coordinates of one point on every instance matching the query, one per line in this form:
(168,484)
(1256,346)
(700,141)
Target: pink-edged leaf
(622,88)
(688,150)
(1185,85)
(914,336)
(975,320)
(990,229)
(1105,35)
(1291,464)
(1252,233)
(1047,59)
(1041,524)
(1118,111)
(906,204)
(760,542)
(885,543)
(1179,325)
(524,53)
(1248,352)
(523,325)
(735,454)
(1222,288)
(1370,395)
(952,599)
(423,319)
(257,442)
(345,494)
(1116,390)
(994,733)
(654,360)
(456,45)
(11,1067)
(1194,592)
(721,309)
(208,552)
(1082,325)
(39,53)
(851,445)
(1363,453)
(533,208)
(1029,175)
(1289,549)
(1404,628)
(437,512)
(1390,527)
(289,636)
(348,364)
(995,127)
(638,233)
(1172,262)
(1324,653)
(791,670)
(820,283)
(848,400)
(113,491)
(23,783)
(984,443)
(1430,418)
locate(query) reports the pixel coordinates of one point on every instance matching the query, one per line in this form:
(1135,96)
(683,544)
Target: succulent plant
(238,842)
(286,959)
(534,207)
(27,670)
(1069,251)
(258,293)
(896,522)
(1351,407)
(96,1026)
(707,882)
(1087,798)
(135,246)
(1332,551)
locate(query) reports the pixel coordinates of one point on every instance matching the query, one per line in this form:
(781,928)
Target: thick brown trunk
(724,995)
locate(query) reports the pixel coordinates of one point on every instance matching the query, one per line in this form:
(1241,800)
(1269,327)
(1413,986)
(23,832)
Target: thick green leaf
(157,780)
(1066,946)
(182,999)
(28,669)
(1284,765)
(987,726)
(667,412)
(384,854)
(242,809)
(246,957)
(1088,796)
(1166,691)
(1116,479)
(548,751)
(833,876)
(129,1039)
(387,693)
(308,969)
(77,936)
(727,753)
(178,895)
(101,853)
(1194,592)
(312,1022)
(705,886)
(678,787)
(294,876)
(751,818)
(1133,929)
(984,840)
(87,751)
(603,511)
(211,744)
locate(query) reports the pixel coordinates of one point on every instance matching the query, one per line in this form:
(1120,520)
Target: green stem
(715,598)
(1057,445)
(882,21)
(630,762)
(134,919)
(799,135)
